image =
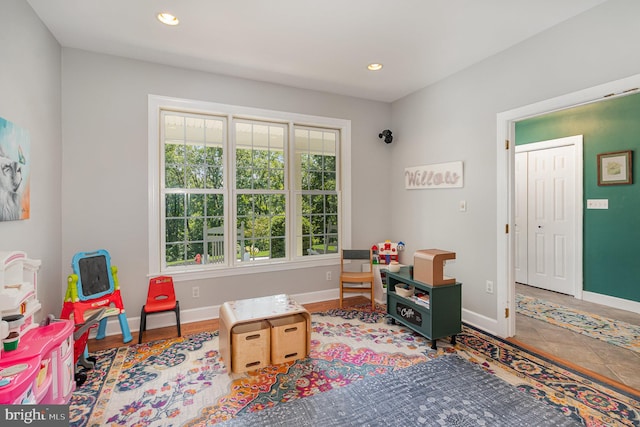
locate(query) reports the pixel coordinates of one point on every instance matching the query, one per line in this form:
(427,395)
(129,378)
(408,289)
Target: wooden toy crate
(250,346)
(288,338)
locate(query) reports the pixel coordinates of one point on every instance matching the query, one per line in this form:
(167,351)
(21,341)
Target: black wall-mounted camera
(386,134)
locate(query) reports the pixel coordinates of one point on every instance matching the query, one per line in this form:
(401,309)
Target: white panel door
(551,219)
(520,218)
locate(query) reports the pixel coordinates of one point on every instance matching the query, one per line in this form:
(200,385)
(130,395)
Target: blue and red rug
(183,381)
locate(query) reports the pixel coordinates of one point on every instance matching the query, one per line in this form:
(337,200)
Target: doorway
(505,278)
(548,215)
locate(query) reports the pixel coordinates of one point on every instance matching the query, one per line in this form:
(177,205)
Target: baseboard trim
(613,302)
(480,321)
(168,319)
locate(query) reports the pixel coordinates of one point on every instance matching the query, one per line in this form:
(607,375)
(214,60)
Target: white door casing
(520,225)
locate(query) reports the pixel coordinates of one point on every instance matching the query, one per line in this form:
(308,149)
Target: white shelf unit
(19,286)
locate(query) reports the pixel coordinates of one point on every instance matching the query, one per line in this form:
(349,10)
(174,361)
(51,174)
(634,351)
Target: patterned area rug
(183,381)
(447,391)
(612,331)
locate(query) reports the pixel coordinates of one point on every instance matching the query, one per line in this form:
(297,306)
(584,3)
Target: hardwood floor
(205,325)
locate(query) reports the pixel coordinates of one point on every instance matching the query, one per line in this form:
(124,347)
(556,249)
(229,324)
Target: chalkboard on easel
(94,274)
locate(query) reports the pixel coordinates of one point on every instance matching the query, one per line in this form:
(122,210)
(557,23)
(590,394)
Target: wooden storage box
(250,346)
(288,338)
(428,266)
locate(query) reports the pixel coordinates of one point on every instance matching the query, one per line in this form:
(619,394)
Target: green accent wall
(611,240)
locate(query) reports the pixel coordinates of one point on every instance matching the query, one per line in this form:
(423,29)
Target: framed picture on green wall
(614,168)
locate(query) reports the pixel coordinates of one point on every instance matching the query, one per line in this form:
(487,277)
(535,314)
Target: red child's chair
(161,297)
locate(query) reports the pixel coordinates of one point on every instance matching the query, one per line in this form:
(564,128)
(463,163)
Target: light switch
(463,205)
(597,203)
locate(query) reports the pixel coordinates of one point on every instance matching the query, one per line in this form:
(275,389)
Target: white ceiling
(322,45)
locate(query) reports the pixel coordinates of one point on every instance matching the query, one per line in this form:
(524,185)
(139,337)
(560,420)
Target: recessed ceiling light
(167,18)
(374,67)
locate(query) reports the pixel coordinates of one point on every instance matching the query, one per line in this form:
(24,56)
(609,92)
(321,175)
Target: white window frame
(157,103)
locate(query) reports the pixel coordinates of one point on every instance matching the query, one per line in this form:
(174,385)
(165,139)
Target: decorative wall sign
(614,168)
(441,175)
(14,172)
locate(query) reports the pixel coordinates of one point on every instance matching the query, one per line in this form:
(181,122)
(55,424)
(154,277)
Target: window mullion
(291,213)
(230,197)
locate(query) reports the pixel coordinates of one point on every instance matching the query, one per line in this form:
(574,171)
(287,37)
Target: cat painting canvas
(14,172)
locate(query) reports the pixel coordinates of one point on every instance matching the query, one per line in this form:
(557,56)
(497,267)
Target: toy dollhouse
(36,361)
(387,251)
(384,254)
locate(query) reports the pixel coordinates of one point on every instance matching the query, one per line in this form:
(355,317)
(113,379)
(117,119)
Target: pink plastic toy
(45,364)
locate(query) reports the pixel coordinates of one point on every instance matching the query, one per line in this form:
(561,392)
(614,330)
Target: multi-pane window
(194,147)
(235,191)
(316,190)
(261,188)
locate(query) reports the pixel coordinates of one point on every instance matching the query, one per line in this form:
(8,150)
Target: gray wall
(455,119)
(30,98)
(105,167)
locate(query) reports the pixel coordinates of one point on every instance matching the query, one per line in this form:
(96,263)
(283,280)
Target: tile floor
(609,360)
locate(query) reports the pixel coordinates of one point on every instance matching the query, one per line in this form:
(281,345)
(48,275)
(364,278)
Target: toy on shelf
(386,252)
(428,266)
(93,286)
(385,255)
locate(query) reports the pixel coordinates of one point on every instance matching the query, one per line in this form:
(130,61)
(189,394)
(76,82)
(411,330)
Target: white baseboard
(191,315)
(614,302)
(168,319)
(479,321)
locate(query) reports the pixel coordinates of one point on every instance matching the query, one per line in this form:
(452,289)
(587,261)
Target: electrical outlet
(195,292)
(328,275)
(489,287)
